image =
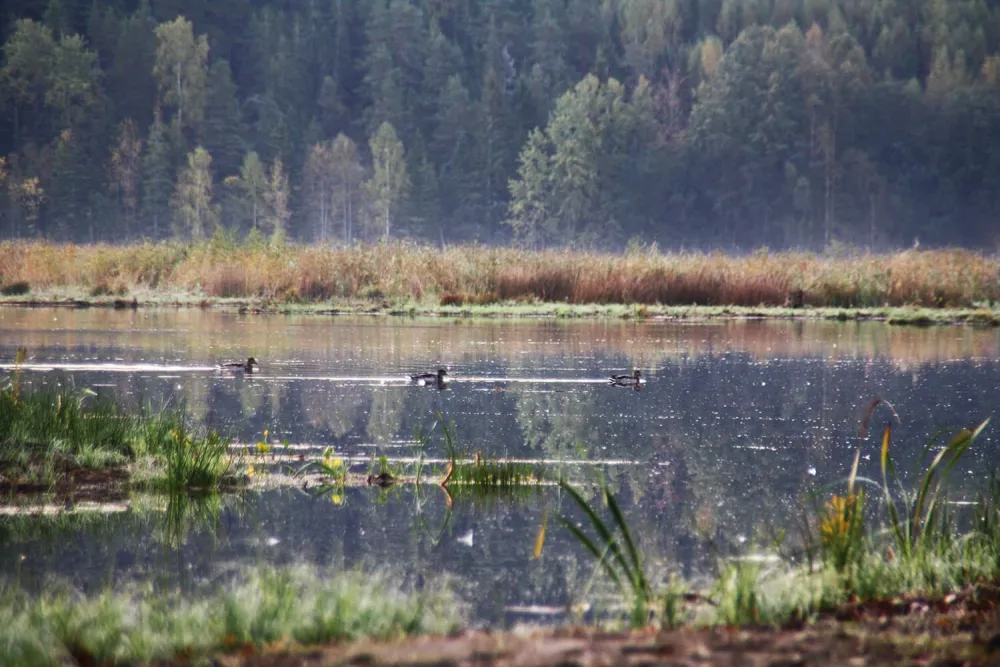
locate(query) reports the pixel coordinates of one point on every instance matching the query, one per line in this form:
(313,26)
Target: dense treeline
(727,123)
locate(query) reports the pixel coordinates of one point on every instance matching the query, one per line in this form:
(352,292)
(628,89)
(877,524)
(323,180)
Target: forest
(692,124)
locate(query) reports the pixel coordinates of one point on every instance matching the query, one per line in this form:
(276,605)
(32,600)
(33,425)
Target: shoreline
(895,315)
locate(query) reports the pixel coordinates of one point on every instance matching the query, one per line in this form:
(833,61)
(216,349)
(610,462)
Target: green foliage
(157,165)
(195,212)
(390,180)
(930,560)
(617,556)
(266,606)
(788,124)
(48,434)
(193,463)
(920,521)
(489,474)
(181,70)
(577,176)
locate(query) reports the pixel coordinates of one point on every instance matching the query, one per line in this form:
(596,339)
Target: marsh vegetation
(403,275)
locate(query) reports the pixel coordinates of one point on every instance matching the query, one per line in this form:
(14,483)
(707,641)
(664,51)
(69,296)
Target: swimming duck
(633,380)
(424,379)
(236,366)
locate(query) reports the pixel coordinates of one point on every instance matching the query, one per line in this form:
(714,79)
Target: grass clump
(267,608)
(192,463)
(915,551)
(495,474)
(44,433)
(486,475)
(46,436)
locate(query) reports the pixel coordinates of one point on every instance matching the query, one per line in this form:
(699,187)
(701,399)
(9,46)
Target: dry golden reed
(477,275)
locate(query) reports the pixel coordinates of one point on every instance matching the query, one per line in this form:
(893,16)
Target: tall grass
(45,435)
(267,608)
(476,275)
(617,555)
(193,463)
(42,433)
(916,551)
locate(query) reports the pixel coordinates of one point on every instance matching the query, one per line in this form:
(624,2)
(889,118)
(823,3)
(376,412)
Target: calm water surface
(738,422)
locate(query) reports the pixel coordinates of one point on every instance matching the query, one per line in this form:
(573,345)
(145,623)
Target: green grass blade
(639,583)
(886,464)
(597,553)
(854,471)
(602,531)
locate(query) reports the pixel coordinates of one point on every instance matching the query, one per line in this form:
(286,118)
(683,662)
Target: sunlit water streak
(106,367)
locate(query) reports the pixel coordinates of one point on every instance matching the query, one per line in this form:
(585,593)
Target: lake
(738,423)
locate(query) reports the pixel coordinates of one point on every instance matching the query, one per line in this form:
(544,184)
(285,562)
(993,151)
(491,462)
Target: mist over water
(737,422)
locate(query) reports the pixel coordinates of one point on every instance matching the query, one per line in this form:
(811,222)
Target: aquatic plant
(482,473)
(921,520)
(45,435)
(194,463)
(267,607)
(495,474)
(617,556)
(916,552)
(334,472)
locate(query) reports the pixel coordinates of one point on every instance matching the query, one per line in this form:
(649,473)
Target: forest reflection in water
(738,421)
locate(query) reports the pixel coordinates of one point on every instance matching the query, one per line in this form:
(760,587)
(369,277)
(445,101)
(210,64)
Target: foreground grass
(268,608)
(914,552)
(398,275)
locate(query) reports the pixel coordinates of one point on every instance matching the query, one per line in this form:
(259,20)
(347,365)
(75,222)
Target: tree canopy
(690,123)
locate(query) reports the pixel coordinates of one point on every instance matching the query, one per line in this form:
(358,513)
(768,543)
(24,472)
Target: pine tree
(222,130)
(125,170)
(158,183)
(130,82)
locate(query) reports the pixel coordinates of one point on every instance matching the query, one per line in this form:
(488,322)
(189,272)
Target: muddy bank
(961,629)
(825,644)
(897,315)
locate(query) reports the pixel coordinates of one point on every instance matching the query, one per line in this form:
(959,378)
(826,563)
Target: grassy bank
(267,609)
(460,277)
(76,443)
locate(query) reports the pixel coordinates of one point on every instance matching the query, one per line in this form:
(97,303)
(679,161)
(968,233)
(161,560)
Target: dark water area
(737,423)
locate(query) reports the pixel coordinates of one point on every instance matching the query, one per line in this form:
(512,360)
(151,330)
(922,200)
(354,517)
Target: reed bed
(481,275)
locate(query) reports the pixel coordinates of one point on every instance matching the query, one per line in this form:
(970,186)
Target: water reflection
(736,421)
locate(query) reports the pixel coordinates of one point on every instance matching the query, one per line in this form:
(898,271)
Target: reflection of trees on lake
(384,415)
(725,433)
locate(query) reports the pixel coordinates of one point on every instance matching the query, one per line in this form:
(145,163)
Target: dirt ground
(963,629)
(820,645)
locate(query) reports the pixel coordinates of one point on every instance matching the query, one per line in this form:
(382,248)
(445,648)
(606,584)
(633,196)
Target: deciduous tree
(390,180)
(181,70)
(195,212)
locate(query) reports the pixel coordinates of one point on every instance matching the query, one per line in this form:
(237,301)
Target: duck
(424,379)
(237,366)
(633,380)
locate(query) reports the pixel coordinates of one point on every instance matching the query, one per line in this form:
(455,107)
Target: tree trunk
(180,103)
